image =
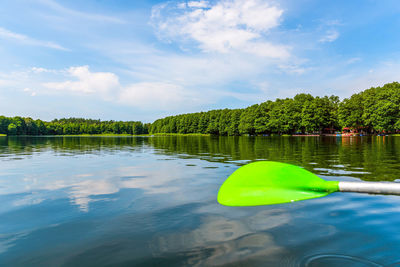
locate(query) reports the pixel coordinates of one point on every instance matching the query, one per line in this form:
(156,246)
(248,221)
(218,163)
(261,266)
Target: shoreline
(105,135)
(195,134)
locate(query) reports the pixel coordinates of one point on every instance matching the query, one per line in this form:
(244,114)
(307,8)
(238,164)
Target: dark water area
(151,201)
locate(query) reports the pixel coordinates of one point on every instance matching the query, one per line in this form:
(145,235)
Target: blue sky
(142,60)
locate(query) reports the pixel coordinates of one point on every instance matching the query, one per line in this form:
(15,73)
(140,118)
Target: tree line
(71,126)
(303,113)
(374,110)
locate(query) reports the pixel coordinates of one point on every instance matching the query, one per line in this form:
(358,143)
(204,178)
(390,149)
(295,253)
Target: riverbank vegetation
(375,110)
(303,113)
(72,126)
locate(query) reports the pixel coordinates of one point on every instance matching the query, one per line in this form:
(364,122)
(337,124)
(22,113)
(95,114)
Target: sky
(147,59)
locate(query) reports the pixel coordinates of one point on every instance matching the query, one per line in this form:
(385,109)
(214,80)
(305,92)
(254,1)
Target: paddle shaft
(370,187)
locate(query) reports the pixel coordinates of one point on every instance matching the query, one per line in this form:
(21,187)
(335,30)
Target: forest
(71,126)
(375,110)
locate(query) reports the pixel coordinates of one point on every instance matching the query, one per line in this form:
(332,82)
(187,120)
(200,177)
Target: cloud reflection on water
(82,193)
(83,187)
(219,240)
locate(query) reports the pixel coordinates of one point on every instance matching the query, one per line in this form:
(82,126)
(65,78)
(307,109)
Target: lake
(151,201)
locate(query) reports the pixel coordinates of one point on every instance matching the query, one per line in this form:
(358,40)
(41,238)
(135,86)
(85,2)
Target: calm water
(122,201)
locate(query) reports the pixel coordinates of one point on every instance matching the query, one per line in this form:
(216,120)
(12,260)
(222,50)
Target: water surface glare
(151,201)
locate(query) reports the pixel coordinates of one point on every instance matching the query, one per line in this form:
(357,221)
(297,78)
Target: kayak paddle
(269,182)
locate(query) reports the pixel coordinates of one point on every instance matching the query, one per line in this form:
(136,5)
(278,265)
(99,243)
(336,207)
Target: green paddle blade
(269,182)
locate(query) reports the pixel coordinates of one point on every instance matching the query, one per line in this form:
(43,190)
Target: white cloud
(9,35)
(292,68)
(192,71)
(38,70)
(264,49)
(198,4)
(145,95)
(87,82)
(157,94)
(334,22)
(29,91)
(42,70)
(330,36)
(353,60)
(83,15)
(227,26)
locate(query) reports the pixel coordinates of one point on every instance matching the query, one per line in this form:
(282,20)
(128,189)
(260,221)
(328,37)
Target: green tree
(12,129)
(350,112)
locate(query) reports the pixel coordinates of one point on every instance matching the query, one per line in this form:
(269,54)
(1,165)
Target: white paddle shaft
(370,187)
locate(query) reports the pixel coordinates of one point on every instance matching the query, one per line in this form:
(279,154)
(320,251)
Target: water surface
(151,201)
